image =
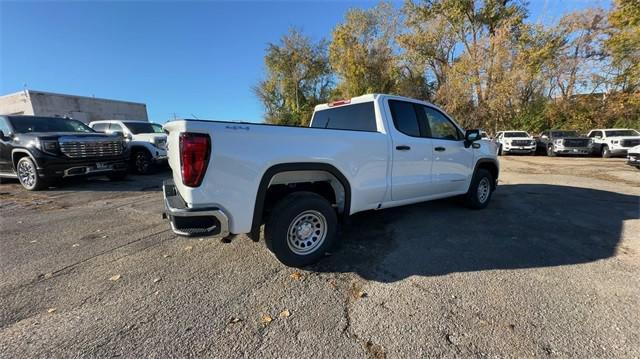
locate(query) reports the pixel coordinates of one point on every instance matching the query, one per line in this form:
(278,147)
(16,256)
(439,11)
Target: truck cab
(612,142)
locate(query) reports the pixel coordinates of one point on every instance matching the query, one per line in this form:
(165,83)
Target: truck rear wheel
(301,228)
(480,190)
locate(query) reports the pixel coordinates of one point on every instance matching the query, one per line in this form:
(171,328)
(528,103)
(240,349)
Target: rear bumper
(187,221)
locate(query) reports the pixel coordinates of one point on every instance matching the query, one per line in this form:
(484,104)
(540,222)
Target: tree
(624,44)
(361,51)
(298,78)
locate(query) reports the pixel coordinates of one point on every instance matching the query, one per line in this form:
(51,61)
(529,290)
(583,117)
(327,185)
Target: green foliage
(481,60)
(298,78)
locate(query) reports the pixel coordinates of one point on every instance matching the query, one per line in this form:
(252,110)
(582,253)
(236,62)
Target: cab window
(439,126)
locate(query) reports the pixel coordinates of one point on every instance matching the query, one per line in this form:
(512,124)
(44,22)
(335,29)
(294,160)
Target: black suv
(40,150)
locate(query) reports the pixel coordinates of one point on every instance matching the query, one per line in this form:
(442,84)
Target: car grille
(576,143)
(521,143)
(630,143)
(82,149)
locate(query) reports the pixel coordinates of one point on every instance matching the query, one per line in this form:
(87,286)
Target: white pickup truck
(367,153)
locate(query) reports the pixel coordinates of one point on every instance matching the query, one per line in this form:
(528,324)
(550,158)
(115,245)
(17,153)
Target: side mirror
(471,136)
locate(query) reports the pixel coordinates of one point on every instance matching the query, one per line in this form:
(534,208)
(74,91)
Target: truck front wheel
(480,189)
(301,228)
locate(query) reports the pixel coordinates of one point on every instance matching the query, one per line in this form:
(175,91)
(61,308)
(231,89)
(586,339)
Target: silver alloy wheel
(307,232)
(27,173)
(484,188)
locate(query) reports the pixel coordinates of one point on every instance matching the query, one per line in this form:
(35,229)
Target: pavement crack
(373,350)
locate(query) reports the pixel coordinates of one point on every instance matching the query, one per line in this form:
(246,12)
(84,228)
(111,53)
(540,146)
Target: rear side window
(404,117)
(357,117)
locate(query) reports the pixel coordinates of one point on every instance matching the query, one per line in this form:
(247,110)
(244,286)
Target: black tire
(313,213)
(28,175)
(604,151)
(141,162)
(117,176)
(550,152)
(473,198)
(500,151)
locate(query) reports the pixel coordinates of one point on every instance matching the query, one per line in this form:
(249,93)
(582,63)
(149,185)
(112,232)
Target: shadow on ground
(525,226)
(132,183)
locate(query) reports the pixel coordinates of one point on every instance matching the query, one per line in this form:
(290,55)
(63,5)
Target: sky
(184,59)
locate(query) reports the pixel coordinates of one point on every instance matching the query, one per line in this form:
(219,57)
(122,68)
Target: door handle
(403,148)
(439,149)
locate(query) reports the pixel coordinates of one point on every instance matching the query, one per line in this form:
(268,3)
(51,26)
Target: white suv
(515,142)
(611,142)
(147,142)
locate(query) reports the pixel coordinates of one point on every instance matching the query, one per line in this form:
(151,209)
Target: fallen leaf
(105,236)
(361,294)
(285,313)
(19,222)
(48,275)
(188,248)
(235,320)
(33,241)
(266,319)
(296,276)
(166,256)
(115,278)
(157,280)
(75,245)
(51,310)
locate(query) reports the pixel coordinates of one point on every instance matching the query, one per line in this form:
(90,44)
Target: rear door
(411,153)
(452,161)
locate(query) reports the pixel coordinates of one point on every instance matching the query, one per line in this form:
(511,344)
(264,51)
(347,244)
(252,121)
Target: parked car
(563,142)
(369,152)
(40,150)
(515,142)
(147,145)
(610,142)
(484,135)
(633,157)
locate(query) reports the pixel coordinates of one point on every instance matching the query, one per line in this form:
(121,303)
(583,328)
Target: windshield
(157,128)
(561,134)
(516,134)
(140,127)
(616,133)
(47,124)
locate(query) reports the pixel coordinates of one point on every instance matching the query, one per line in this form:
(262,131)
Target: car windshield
(516,134)
(616,133)
(561,134)
(140,127)
(157,128)
(47,124)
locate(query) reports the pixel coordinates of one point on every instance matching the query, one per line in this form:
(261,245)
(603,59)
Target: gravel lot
(551,268)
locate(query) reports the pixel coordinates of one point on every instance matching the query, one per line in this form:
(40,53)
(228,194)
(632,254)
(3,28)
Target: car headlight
(615,142)
(558,142)
(48,146)
(533,142)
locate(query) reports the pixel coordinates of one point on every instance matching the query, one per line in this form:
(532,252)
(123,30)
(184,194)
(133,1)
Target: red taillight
(194,157)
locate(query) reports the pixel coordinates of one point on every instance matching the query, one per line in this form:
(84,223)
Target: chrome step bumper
(186,221)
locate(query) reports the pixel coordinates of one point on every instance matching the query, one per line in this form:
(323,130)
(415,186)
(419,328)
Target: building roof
(36,92)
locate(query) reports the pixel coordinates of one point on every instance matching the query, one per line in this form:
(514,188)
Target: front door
(452,161)
(5,148)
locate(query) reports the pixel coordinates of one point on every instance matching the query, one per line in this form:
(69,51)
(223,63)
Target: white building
(85,109)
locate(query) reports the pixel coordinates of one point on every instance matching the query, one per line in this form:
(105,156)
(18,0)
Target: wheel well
(135,149)
(492,168)
(17,156)
(282,180)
